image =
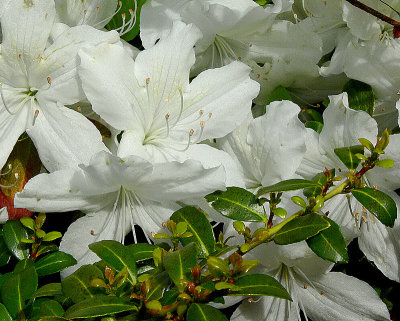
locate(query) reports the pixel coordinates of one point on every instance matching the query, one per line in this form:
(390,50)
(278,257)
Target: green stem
(337,190)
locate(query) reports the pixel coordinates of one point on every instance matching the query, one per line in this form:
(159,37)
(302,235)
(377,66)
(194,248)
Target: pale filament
(12,185)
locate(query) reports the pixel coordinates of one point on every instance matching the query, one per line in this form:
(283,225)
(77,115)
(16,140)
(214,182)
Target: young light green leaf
(301,228)
(366,143)
(386,163)
(178,263)
(237,204)
(330,244)
(28,222)
(13,233)
(360,95)
(260,284)
(285,186)
(99,306)
(199,226)
(348,157)
(378,203)
(321,179)
(54,262)
(117,256)
(51,236)
(203,312)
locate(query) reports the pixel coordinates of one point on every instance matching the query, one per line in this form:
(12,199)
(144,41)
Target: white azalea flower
(343,127)
(321,295)
(117,193)
(165,116)
(38,75)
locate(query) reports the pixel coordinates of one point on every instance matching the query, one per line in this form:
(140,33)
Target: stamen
(181,106)
(191,132)
(166,119)
(19,107)
(9,170)
(12,185)
(202,124)
(128,25)
(35,116)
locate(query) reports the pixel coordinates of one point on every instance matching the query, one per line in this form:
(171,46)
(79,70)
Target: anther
(98,9)
(153,234)
(375,186)
(163,224)
(49,80)
(20,56)
(322,292)
(147,80)
(35,116)
(202,124)
(305,286)
(209,115)
(201,112)
(91,232)
(13,184)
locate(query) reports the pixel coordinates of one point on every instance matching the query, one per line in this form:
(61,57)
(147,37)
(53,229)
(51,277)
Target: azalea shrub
(215,160)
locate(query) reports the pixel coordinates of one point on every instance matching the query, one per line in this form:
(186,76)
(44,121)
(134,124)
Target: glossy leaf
(178,263)
(142,251)
(24,264)
(278,94)
(260,284)
(301,228)
(158,283)
(330,244)
(199,226)
(285,186)
(77,285)
(18,288)
(4,315)
(348,157)
(51,236)
(204,312)
(13,233)
(5,254)
(51,308)
(237,204)
(360,95)
(50,289)
(46,249)
(99,306)
(53,318)
(54,262)
(378,203)
(315,125)
(117,256)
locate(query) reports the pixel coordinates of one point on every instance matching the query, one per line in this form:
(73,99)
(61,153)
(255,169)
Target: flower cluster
(221,94)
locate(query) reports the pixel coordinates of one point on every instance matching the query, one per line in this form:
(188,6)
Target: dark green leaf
(54,262)
(99,306)
(378,203)
(329,244)
(178,263)
(117,20)
(53,318)
(158,283)
(18,288)
(169,296)
(260,284)
(142,251)
(51,308)
(315,125)
(117,256)
(285,186)
(204,312)
(321,179)
(5,254)
(237,204)
(4,315)
(49,289)
(278,94)
(348,157)
(24,264)
(77,285)
(13,233)
(301,228)
(199,226)
(311,115)
(361,96)
(43,249)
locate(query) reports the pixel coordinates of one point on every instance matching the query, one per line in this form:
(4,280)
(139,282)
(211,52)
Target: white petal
(64,138)
(53,193)
(344,298)
(26,27)
(3,215)
(107,74)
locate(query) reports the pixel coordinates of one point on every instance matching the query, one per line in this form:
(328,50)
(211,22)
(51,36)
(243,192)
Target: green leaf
(18,288)
(51,308)
(321,180)
(278,94)
(315,125)
(99,306)
(5,254)
(46,249)
(329,244)
(50,289)
(260,284)
(28,222)
(142,251)
(53,318)
(361,96)
(385,163)
(237,204)
(348,157)
(22,265)
(301,228)
(4,315)
(378,203)
(204,312)
(199,226)
(13,233)
(77,285)
(51,236)
(178,263)
(117,20)
(54,262)
(117,256)
(285,186)
(158,283)
(311,115)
